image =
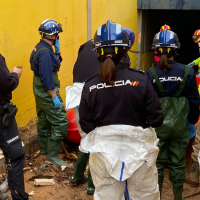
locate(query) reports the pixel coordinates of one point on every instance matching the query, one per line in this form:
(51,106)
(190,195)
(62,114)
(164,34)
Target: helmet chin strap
(54,41)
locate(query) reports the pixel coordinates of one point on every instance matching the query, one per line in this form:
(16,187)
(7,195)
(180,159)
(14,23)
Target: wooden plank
(169,4)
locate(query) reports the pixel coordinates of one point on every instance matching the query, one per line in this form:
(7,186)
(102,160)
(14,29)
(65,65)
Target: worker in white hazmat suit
(117,108)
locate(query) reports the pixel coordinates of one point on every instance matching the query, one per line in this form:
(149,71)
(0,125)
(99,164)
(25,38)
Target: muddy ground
(63,190)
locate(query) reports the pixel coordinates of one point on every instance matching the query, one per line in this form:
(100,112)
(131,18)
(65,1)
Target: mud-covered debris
(44,182)
(40,177)
(36,154)
(31,193)
(68,155)
(26,168)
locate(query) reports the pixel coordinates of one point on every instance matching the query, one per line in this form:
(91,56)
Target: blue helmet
(50,27)
(111,35)
(131,36)
(166,39)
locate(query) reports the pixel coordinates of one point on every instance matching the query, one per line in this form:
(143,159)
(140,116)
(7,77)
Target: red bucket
(73,134)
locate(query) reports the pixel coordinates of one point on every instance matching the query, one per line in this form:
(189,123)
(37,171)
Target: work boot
(53,149)
(178,190)
(193,177)
(43,141)
(4,196)
(78,176)
(90,187)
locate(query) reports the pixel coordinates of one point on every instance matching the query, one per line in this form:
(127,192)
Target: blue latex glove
(191,64)
(192,129)
(57,47)
(198,75)
(56,102)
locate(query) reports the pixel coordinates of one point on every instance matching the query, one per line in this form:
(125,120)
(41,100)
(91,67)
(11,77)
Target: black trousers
(10,143)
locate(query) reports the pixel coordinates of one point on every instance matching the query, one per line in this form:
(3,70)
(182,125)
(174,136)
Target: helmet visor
(60,28)
(196,38)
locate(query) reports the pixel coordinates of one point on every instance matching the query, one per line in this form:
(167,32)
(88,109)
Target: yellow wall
(123,12)
(19,25)
(146,61)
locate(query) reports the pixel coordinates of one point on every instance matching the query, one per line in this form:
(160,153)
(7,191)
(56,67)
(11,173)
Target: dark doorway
(182,22)
(169,4)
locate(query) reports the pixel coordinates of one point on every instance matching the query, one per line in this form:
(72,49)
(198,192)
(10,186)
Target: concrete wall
(20,21)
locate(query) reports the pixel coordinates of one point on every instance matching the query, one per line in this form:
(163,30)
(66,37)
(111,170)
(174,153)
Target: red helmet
(196,36)
(165,27)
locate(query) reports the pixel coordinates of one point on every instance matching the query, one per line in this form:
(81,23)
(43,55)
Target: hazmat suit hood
(86,65)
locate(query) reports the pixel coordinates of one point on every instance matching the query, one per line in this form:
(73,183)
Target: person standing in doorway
(10,139)
(117,108)
(193,176)
(196,39)
(162,28)
(176,87)
(52,122)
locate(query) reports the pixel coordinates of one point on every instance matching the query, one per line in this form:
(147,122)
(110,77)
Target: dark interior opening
(182,22)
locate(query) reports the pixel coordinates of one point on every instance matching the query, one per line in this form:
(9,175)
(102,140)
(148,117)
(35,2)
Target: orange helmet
(165,27)
(196,36)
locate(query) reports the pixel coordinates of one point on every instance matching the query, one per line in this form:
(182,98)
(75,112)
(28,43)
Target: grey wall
(169,4)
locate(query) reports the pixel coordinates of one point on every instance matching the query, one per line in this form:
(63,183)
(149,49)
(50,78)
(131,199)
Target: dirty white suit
(72,101)
(123,155)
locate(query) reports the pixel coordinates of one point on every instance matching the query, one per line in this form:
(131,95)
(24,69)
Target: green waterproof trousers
(51,122)
(172,155)
(173,136)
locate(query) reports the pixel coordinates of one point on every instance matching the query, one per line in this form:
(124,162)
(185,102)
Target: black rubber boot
(160,188)
(78,176)
(43,141)
(53,152)
(4,196)
(90,187)
(178,190)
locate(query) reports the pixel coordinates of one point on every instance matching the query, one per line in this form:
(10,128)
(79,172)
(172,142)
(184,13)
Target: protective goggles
(177,46)
(60,27)
(196,38)
(125,43)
